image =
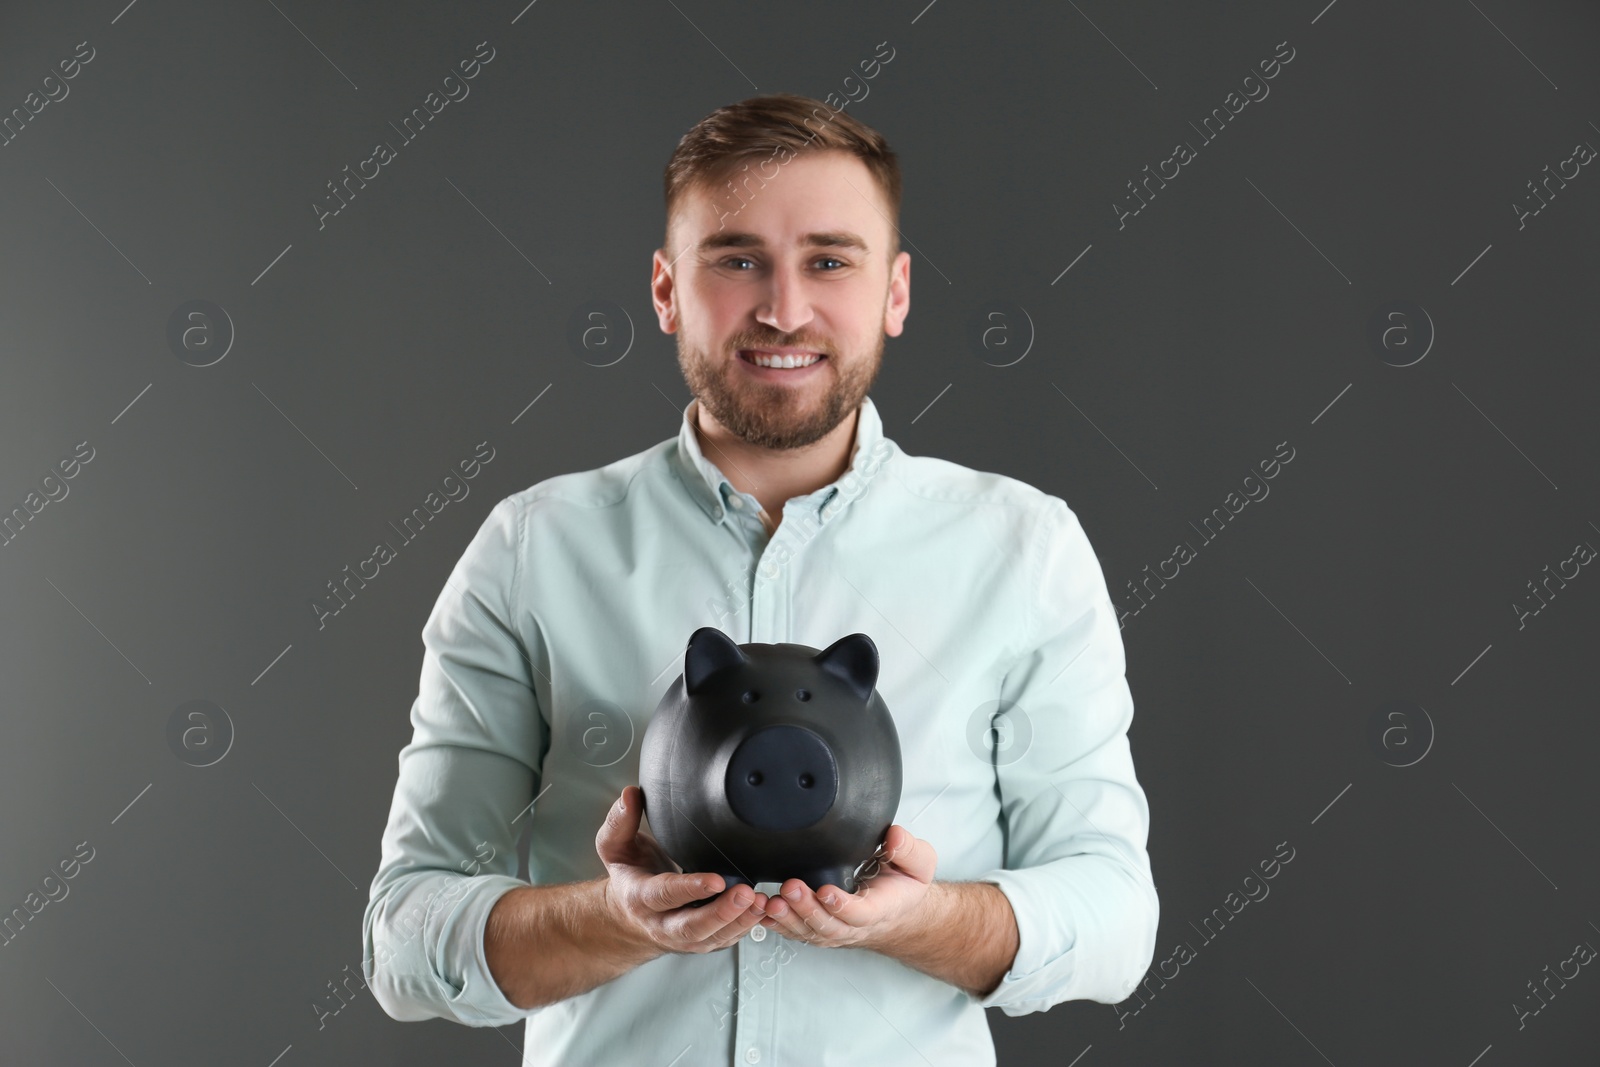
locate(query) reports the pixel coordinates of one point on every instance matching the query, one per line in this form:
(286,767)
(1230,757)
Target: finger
(665,892)
(910,853)
(699,924)
(835,914)
(617,832)
(806,909)
(736,929)
(782,917)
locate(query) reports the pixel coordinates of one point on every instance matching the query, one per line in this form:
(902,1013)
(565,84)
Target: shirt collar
(710,488)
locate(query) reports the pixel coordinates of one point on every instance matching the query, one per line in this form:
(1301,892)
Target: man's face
(800,264)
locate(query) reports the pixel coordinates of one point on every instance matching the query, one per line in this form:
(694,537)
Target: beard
(769,415)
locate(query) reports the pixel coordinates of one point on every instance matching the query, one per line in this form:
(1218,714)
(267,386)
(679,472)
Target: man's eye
(731,260)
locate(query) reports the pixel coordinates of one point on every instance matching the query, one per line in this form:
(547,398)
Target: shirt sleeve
(1076,820)
(470,770)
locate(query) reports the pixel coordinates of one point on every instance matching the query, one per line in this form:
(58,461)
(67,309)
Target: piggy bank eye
(802,694)
(751,696)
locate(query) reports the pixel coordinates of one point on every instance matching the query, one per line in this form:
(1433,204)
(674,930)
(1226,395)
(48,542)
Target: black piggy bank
(765,762)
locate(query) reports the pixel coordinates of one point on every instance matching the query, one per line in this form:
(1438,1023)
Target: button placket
(758,967)
(745,995)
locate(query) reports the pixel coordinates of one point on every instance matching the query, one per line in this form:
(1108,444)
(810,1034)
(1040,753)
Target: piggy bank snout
(782,777)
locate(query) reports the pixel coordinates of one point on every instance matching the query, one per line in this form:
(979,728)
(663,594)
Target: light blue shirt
(566,619)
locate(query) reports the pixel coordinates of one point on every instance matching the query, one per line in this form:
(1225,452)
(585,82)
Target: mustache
(806,343)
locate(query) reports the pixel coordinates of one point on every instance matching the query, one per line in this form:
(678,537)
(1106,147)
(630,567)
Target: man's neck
(775,476)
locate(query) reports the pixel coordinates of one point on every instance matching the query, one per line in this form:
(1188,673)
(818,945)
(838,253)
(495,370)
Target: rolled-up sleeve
(471,768)
(1075,871)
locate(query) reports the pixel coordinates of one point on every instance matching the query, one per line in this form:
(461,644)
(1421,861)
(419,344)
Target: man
(1015,874)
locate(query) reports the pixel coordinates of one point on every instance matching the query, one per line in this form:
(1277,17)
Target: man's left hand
(832,918)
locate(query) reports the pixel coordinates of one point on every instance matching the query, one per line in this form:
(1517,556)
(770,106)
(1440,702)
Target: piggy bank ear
(854,661)
(710,650)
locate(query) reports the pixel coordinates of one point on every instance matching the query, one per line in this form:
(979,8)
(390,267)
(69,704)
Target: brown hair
(768,126)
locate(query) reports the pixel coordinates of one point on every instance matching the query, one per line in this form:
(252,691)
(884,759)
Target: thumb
(620,827)
(911,854)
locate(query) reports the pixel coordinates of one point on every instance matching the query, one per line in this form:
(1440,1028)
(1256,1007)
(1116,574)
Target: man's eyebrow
(736,239)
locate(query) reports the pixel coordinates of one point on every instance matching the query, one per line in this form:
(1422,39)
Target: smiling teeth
(761,359)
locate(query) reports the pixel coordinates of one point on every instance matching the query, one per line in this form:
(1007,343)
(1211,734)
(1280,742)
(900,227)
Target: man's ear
(662,292)
(898,303)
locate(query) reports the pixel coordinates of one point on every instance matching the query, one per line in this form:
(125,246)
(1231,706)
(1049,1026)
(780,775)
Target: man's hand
(648,894)
(862,919)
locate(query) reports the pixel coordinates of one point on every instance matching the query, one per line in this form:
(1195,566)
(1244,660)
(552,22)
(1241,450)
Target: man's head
(782,233)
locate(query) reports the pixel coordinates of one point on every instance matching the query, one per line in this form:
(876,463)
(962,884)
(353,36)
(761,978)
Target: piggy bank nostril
(751,696)
(802,694)
(806,781)
(755,778)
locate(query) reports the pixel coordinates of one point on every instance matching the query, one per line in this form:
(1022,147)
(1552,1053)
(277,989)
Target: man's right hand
(649,895)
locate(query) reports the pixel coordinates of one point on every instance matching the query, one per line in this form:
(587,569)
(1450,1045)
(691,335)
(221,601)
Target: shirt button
(752,1055)
(758,932)
(736,503)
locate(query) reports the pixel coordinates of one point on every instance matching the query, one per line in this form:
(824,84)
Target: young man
(1015,875)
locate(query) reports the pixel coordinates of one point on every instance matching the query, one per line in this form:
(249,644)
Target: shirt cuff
(479,1000)
(1037,973)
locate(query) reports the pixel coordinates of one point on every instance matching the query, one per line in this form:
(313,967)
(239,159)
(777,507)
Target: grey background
(1228,316)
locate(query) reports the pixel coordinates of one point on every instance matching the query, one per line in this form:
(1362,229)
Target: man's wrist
(963,933)
(542,944)
(627,943)
(906,927)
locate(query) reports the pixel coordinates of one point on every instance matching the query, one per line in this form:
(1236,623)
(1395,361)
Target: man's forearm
(549,942)
(963,933)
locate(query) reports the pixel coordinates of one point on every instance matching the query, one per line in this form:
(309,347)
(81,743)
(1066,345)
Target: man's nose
(787,306)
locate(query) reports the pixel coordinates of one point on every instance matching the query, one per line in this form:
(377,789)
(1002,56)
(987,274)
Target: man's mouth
(780,359)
